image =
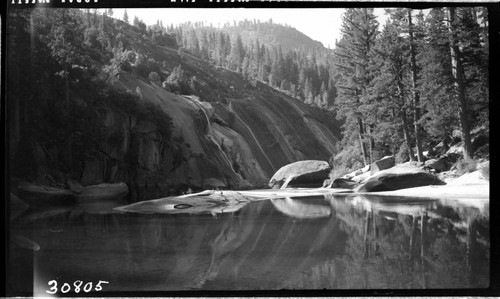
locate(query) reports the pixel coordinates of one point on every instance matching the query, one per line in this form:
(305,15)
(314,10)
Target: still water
(325,242)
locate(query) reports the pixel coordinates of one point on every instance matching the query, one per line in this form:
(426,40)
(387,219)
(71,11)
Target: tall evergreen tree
(459,81)
(359,30)
(125,16)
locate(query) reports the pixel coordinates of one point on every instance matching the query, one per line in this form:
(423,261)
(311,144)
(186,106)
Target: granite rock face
(310,173)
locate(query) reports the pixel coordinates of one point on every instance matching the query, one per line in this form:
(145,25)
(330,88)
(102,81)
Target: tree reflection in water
(331,241)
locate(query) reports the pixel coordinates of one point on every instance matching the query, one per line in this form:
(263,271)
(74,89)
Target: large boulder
(384,163)
(43,196)
(443,163)
(307,173)
(399,177)
(437,164)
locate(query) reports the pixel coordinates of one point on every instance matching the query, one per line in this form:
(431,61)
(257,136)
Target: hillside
(276,55)
(272,34)
(113,120)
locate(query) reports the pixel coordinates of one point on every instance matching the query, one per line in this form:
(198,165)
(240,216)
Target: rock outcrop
(240,142)
(310,173)
(438,164)
(399,177)
(209,201)
(384,163)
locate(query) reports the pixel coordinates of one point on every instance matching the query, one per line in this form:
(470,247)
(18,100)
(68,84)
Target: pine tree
(237,54)
(359,30)
(439,106)
(459,81)
(415,92)
(125,16)
(389,86)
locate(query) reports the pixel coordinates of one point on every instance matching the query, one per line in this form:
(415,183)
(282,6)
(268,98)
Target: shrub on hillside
(177,81)
(154,77)
(144,65)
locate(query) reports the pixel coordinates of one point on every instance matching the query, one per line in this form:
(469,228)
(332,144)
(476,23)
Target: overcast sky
(321,24)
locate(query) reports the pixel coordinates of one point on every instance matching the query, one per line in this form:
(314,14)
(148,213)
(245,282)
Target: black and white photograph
(190,149)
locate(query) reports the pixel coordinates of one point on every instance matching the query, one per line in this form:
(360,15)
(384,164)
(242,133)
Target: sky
(321,24)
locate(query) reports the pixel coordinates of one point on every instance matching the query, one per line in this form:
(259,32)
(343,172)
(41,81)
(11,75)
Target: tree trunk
(416,95)
(362,142)
(458,76)
(406,134)
(404,118)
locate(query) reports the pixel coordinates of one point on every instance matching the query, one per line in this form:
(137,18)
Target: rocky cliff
(237,144)
(221,131)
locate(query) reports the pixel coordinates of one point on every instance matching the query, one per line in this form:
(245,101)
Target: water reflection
(302,208)
(333,242)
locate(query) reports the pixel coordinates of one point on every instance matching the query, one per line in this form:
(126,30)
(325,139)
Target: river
(332,241)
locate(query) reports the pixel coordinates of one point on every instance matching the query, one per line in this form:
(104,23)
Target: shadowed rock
(399,177)
(344,184)
(384,163)
(311,173)
(437,164)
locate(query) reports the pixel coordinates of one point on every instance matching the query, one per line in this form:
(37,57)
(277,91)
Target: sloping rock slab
(301,173)
(384,163)
(43,196)
(198,203)
(399,178)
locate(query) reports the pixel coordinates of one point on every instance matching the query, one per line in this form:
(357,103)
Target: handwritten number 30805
(77,287)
